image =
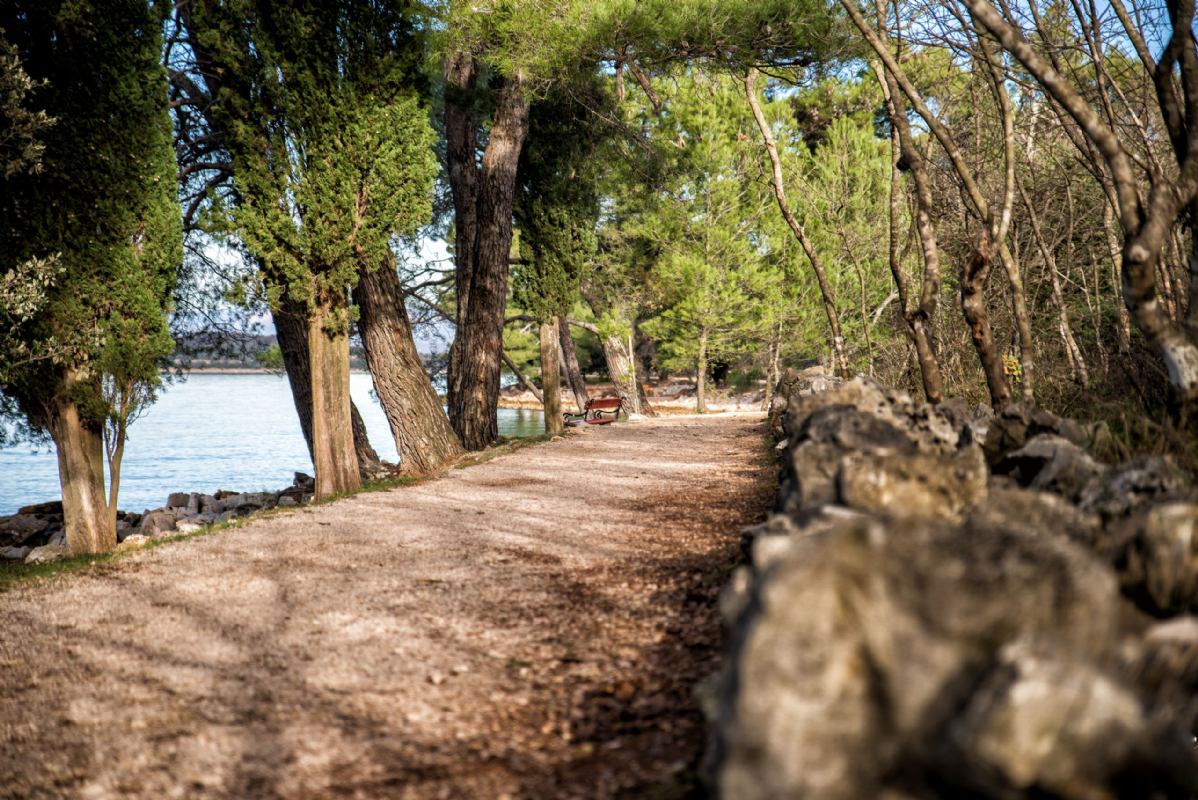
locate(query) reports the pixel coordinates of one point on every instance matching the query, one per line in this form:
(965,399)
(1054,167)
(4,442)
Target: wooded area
(967,198)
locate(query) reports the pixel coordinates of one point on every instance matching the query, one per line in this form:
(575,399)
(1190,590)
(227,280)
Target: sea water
(211,432)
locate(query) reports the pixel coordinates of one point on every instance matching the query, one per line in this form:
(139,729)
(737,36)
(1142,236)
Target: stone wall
(949,604)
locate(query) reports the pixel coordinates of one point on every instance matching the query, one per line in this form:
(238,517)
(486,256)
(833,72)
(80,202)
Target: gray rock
(812,468)
(178,500)
(47,509)
(158,522)
(133,541)
(1053,464)
(1134,484)
(1017,423)
(193,504)
(15,553)
(1158,566)
(123,530)
(47,554)
(208,504)
(188,526)
(849,428)
(58,537)
(913,485)
(286,501)
(20,528)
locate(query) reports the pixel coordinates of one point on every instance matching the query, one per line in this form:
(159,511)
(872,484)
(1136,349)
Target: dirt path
(528,627)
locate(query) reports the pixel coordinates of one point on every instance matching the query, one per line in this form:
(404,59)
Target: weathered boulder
(47,553)
(178,500)
(927,618)
(870,651)
(850,428)
(15,553)
(47,509)
(811,467)
(286,501)
(132,542)
(1134,484)
(1155,553)
(1017,423)
(18,529)
(913,485)
(157,522)
(1051,463)
(188,525)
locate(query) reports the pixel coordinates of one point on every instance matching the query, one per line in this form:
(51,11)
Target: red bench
(599,411)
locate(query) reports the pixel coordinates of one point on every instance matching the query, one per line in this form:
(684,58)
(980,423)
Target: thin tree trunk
(771,369)
(423,437)
(701,375)
(333,453)
(573,372)
(779,186)
(476,396)
(973,307)
(919,318)
(551,386)
(90,528)
(520,376)
(292,333)
(1123,332)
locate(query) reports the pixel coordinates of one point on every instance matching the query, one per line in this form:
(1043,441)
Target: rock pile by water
(35,534)
(949,603)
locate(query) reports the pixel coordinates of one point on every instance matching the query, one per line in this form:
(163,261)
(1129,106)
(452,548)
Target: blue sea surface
(211,432)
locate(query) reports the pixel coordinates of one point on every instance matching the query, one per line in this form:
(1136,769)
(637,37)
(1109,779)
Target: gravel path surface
(533,626)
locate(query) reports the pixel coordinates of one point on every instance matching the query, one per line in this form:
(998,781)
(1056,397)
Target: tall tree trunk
(423,437)
(90,528)
(918,319)
(573,372)
(701,375)
(1123,331)
(461,145)
(821,277)
(476,396)
(333,453)
(551,385)
(291,330)
(771,367)
(973,307)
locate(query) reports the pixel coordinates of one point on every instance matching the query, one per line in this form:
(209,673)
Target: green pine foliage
(331,147)
(100,215)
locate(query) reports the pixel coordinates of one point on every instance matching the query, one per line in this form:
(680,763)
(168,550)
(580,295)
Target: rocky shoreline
(35,534)
(950,603)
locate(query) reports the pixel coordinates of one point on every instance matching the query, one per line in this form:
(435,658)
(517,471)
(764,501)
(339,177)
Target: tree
(331,156)
(557,209)
(92,348)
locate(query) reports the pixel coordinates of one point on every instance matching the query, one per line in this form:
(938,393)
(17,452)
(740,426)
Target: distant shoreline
(240,371)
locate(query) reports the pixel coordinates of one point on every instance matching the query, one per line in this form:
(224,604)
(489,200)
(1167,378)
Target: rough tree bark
(701,374)
(573,372)
(977,268)
(973,307)
(333,454)
(483,287)
(918,319)
(90,528)
(461,145)
(779,186)
(551,385)
(423,437)
(1146,224)
(292,333)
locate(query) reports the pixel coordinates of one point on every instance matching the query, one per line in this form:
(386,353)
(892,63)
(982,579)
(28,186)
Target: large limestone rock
(940,609)
(17,529)
(47,553)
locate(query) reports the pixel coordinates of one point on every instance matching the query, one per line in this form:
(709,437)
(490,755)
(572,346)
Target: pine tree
(102,207)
